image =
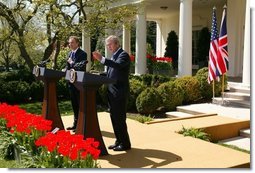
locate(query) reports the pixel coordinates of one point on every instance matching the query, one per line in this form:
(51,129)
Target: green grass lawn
(65,107)
(8,163)
(236,148)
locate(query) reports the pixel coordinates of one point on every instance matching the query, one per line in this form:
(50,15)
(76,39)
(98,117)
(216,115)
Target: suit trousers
(118,118)
(75,100)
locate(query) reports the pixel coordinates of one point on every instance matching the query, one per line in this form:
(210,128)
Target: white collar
(74,51)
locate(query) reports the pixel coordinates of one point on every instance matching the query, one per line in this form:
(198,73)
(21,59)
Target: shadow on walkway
(141,158)
(108,134)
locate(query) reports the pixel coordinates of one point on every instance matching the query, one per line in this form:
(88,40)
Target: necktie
(112,57)
(73,56)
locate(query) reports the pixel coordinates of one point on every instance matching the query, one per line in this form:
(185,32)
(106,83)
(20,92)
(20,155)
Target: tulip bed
(27,138)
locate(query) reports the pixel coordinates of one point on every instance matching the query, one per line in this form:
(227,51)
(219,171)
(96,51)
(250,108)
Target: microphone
(43,63)
(81,66)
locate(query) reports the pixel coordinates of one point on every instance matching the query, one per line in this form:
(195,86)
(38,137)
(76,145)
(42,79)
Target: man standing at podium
(118,69)
(76,60)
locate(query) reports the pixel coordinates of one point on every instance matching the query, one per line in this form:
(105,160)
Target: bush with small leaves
(37,91)
(191,88)
(206,89)
(172,95)
(136,87)
(148,101)
(152,80)
(102,95)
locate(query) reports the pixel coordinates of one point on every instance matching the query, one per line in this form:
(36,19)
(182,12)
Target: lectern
(50,110)
(88,84)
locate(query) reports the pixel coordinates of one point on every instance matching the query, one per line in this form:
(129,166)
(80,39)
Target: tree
(62,19)
(18,27)
(203,46)
(151,35)
(172,48)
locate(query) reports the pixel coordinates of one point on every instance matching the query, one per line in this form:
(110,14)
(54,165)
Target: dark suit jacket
(118,69)
(79,62)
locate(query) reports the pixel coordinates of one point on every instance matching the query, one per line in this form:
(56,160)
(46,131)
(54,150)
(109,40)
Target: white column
(126,39)
(235,26)
(159,39)
(252,3)
(87,48)
(140,57)
(185,38)
(246,53)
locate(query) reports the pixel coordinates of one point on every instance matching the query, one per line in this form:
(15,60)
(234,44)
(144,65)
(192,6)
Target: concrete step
(241,90)
(222,110)
(238,87)
(177,114)
(187,110)
(232,102)
(237,95)
(240,142)
(245,133)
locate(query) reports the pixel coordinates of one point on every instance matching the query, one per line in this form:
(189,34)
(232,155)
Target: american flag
(213,72)
(222,58)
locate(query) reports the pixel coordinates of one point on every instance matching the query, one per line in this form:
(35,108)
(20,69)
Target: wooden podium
(88,84)
(50,110)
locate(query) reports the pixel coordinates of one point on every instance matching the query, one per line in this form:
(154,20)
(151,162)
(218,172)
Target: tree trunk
(24,54)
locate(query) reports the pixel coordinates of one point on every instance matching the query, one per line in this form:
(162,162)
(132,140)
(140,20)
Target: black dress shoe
(71,128)
(121,148)
(112,146)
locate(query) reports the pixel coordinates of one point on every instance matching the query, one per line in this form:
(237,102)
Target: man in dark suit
(76,60)
(118,69)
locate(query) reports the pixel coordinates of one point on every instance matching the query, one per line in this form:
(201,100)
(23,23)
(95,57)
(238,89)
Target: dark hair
(75,38)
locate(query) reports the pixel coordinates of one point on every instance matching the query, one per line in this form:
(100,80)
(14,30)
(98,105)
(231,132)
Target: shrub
(146,78)
(206,89)
(25,75)
(136,77)
(9,76)
(148,101)
(18,75)
(151,80)
(102,92)
(15,86)
(159,79)
(136,87)
(172,47)
(190,86)
(171,95)
(15,91)
(62,89)
(36,91)
(203,45)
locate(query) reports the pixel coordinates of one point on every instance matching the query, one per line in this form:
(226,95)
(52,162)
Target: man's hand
(70,61)
(97,55)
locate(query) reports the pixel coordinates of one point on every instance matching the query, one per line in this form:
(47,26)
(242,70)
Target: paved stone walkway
(159,146)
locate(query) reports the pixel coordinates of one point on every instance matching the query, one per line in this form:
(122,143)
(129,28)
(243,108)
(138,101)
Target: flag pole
(222,89)
(213,91)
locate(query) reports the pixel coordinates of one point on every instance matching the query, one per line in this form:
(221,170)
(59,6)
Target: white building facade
(184,17)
